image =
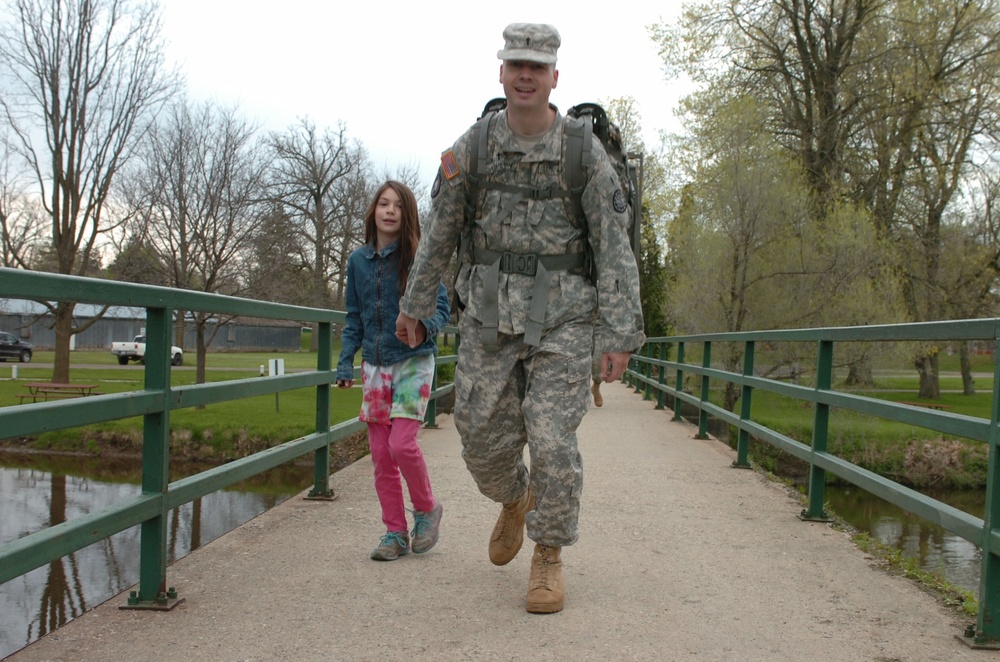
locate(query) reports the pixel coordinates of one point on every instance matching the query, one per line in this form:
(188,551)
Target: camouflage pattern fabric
(534,394)
(525,394)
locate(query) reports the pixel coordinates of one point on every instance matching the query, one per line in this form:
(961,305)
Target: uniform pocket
(463,385)
(536,210)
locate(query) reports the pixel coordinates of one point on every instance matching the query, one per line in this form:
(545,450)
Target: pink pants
(394,452)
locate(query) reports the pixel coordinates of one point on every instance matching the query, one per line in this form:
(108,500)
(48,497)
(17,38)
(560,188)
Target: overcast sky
(406,78)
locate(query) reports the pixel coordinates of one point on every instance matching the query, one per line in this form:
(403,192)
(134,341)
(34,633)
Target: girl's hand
(345,383)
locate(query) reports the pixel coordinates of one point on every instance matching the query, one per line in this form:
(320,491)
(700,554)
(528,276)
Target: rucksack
(591,120)
(587,120)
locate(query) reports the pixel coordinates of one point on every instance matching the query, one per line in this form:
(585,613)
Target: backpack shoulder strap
(478,161)
(579,155)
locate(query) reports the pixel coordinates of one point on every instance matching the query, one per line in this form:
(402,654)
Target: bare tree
(196,192)
(274,271)
(21,227)
(80,79)
(319,178)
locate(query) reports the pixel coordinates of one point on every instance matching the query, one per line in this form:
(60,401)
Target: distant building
(33,322)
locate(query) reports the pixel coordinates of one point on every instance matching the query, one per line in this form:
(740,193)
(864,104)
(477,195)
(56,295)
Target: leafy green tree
(652,182)
(879,102)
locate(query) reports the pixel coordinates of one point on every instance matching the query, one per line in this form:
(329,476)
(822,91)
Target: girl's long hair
(409,234)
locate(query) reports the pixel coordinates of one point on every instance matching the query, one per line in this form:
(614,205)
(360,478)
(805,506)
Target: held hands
(345,383)
(613,365)
(409,330)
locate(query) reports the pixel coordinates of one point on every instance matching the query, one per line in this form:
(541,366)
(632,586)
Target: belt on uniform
(528,264)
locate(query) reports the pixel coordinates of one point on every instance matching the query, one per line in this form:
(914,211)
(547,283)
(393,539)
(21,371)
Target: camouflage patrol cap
(531,42)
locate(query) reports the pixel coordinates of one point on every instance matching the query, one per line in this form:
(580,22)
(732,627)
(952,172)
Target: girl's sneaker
(425,528)
(392,545)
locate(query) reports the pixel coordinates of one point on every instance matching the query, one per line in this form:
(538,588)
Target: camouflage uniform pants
(522,394)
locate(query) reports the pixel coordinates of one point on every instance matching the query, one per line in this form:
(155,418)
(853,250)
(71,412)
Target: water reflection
(41,492)
(936,550)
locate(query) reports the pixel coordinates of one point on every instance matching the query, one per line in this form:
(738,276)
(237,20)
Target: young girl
(396,379)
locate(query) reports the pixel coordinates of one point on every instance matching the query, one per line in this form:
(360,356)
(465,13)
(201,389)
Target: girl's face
(388,217)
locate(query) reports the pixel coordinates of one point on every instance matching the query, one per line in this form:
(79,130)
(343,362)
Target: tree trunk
(201,352)
(733,363)
(968,384)
(930,386)
(859,373)
(63,332)
(179,328)
(731,396)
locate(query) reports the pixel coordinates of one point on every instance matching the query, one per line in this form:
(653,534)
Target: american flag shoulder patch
(448,165)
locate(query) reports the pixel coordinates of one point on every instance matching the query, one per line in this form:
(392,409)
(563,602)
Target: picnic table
(46,391)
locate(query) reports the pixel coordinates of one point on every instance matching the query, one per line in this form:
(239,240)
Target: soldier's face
(527,85)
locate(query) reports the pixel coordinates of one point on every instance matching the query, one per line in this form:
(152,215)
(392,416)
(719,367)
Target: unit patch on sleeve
(436,187)
(618,201)
(448,165)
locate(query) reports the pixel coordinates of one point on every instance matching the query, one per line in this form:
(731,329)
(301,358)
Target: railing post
(680,381)
(628,377)
(321,456)
(639,369)
(987,632)
(743,439)
(430,417)
(648,372)
(706,362)
(634,381)
(662,376)
(821,422)
(153,592)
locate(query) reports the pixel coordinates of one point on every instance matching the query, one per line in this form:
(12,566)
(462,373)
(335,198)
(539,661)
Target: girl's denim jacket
(372,307)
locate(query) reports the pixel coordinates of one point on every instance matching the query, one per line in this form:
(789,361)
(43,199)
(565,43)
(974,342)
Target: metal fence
(154,403)
(655,375)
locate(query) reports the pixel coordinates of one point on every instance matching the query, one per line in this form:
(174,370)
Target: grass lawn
(223,428)
(910,454)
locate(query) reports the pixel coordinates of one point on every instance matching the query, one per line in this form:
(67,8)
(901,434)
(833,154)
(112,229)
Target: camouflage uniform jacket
(508,221)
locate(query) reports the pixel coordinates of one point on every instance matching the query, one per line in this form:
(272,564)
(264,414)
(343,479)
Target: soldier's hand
(613,365)
(406,330)
(421,332)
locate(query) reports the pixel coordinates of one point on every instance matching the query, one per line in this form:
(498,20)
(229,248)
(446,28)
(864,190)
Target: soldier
(535,281)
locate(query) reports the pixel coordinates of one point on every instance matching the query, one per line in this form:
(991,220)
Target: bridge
(685,553)
(681,557)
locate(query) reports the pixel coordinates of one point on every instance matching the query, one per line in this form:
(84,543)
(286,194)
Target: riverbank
(920,464)
(183,448)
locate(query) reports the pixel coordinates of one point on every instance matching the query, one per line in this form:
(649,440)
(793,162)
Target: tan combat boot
(596,390)
(546,588)
(508,533)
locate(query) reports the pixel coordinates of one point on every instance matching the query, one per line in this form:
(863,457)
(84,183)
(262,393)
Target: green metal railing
(985,533)
(154,403)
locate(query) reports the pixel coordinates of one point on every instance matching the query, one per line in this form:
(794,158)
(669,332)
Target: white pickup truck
(136,351)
